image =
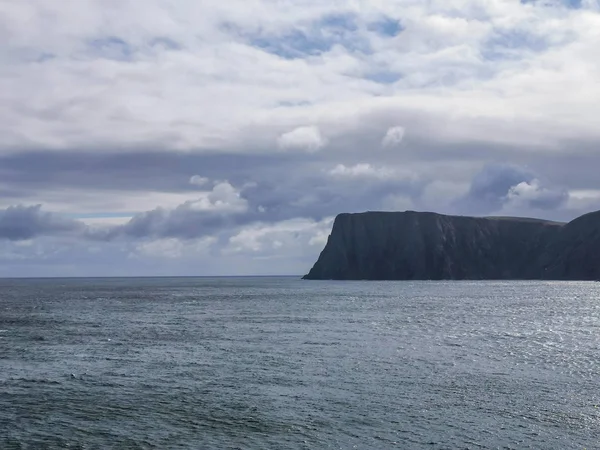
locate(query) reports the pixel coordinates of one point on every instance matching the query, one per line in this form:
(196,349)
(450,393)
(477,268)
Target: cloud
(110,78)
(494,181)
(260,73)
(393,137)
(533,194)
(505,187)
(294,236)
(197,180)
(213,210)
(223,198)
(203,120)
(362,170)
(19,223)
(307,139)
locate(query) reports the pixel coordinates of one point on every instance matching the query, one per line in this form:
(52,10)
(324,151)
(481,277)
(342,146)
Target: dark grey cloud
(284,186)
(283,196)
(490,186)
(498,186)
(133,171)
(25,174)
(181,222)
(19,223)
(550,200)
(266,202)
(577,170)
(139,171)
(274,187)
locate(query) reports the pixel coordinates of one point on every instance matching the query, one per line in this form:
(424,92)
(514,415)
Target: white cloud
(362,170)
(200,76)
(531,194)
(289,237)
(197,180)
(223,197)
(393,137)
(525,190)
(307,139)
(105,221)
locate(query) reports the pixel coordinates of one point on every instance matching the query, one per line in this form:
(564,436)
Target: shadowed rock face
(428,246)
(575,253)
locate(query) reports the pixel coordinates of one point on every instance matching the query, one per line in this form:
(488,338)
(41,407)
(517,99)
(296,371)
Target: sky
(196,137)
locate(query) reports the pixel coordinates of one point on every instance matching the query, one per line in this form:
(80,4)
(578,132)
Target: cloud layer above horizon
(206,138)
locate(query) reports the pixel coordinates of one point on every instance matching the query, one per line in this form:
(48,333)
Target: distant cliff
(427,246)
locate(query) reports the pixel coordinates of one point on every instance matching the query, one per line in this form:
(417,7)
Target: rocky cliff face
(575,253)
(429,246)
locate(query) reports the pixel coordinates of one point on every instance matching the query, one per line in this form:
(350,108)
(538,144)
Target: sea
(281,363)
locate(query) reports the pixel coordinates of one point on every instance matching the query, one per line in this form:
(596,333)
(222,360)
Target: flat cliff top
(431,213)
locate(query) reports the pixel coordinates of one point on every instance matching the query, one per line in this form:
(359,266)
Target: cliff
(428,246)
(575,252)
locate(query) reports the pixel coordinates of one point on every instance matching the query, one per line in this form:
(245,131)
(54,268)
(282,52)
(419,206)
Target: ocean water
(280,363)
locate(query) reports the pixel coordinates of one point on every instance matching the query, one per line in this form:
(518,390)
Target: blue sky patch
(507,44)
(312,39)
(383,77)
(165,43)
(111,47)
(387,27)
(341,23)
(293,44)
(575,4)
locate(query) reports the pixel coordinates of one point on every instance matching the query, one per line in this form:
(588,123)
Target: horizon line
(142,276)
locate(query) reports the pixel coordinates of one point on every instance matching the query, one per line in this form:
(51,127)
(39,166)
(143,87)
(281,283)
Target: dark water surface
(275,363)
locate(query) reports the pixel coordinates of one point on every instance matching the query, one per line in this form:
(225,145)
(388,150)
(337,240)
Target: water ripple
(280,363)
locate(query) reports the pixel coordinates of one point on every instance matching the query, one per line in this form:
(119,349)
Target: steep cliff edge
(575,253)
(428,246)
